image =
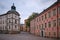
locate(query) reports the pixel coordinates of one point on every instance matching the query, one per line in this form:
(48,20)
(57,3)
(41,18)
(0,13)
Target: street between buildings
(23,36)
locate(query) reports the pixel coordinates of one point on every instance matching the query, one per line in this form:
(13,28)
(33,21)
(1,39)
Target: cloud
(25,7)
(2,5)
(29,6)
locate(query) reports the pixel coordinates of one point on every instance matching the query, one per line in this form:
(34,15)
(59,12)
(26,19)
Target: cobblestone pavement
(22,36)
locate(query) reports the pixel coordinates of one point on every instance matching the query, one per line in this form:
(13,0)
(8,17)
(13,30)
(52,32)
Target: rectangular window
(42,26)
(9,26)
(37,27)
(3,27)
(54,23)
(59,21)
(0,22)
(39,19)
(45,16)
(45,33)
(49,14)
(54,33)
(42,17)
(9,21)
(49,24)
(59,9)
(15,26)
(15,21)
(3,22)
(54,12)
(45,25)
(49,33)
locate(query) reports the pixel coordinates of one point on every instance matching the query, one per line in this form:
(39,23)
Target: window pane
(45,16)
(42,17)
(42,26)
(54,12)
(49,33)
(15,26)
(39,19)
(49,14)
(15,21)
(45,25)
(54,23)
(54,33)
(9,26)
(59,21)
(49,24)
(59,10)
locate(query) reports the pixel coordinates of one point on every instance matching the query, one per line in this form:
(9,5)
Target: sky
(25,7)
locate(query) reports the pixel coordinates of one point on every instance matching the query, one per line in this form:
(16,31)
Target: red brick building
(47,23)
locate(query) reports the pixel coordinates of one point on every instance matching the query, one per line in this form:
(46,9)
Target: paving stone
(22,36)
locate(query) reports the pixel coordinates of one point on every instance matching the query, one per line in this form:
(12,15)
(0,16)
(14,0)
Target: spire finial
(13,4)
(13,7)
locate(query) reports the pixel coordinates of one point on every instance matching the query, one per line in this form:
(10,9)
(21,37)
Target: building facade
(21,27)
(25,27)
(47,23)
(10,21)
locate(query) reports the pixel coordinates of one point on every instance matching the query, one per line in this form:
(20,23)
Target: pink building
(47,23)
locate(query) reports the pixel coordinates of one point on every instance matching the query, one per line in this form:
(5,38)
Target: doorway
(42,33)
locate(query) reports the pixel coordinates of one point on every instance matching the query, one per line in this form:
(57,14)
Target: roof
(9,12)
(15,12)
(48,8)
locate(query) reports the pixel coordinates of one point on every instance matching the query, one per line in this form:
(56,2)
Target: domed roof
(14,12)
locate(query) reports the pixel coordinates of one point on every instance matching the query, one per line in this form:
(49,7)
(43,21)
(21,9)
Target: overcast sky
(25,7)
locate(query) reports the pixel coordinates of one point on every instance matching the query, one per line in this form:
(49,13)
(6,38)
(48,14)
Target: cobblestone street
(22,36)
